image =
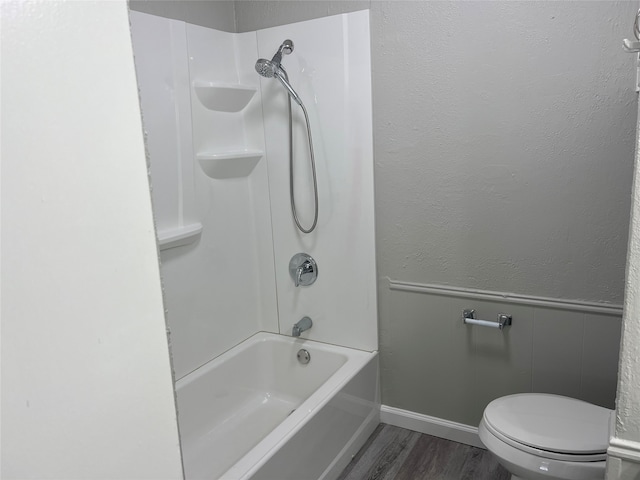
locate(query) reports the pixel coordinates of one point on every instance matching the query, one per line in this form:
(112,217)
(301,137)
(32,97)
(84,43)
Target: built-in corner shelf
(232,164)
(223,98)
(179,236)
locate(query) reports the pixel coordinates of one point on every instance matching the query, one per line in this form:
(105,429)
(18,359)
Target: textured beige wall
(504,144)
(624,462)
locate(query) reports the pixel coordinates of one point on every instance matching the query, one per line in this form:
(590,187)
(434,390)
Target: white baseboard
(623,462)
(624,449)
(437,427)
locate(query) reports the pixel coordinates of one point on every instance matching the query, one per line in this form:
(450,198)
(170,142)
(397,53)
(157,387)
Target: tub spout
(304,324)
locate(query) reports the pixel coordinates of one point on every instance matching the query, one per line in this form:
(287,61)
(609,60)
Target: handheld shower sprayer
(273,68)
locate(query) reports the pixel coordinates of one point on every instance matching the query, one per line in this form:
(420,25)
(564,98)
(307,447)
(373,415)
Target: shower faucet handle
(303,269)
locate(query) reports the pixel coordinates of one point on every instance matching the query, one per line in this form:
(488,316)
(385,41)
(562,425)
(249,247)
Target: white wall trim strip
(437,427)
(556,303)
(624,449)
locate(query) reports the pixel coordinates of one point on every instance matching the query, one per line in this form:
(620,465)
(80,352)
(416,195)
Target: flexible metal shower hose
(313,169)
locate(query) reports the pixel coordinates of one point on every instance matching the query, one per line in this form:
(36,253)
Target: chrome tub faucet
(305,323)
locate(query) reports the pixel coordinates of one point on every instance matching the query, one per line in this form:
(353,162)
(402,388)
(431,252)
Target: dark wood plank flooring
(393,453)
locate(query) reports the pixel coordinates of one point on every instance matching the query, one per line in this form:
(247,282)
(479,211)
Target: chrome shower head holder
(286,48)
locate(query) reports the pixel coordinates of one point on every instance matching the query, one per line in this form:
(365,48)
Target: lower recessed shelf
(232,164)
(176,237)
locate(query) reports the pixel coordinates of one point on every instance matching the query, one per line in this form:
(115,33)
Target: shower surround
(217,138)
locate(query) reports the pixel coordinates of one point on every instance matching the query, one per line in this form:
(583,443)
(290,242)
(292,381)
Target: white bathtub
(257,412)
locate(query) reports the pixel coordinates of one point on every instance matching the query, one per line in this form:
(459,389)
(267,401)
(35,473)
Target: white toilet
(547,437)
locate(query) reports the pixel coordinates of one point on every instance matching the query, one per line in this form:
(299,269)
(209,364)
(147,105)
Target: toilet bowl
(547,437)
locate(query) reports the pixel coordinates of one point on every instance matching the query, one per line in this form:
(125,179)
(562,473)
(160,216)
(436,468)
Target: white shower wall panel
(162,71)
(212,60)
(215,294)
(332,75)
(220,289)
(246,50)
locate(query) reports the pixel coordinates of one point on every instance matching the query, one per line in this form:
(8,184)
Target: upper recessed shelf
(223,98)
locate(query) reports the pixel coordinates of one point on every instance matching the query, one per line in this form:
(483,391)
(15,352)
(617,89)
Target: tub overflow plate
(304,356)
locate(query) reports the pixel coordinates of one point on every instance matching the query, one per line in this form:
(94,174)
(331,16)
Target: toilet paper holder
(469,318)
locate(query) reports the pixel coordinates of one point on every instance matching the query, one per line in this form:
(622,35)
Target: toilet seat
(550,426)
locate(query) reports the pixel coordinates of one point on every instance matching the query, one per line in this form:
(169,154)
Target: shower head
(266,68)
(272,68)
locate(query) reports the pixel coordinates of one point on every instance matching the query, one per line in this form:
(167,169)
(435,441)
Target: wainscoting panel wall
(434,364)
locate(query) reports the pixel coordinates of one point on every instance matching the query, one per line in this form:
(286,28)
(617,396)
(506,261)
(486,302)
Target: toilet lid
(551,422)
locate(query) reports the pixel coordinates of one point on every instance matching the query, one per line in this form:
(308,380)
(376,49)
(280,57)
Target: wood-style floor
(393,453)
